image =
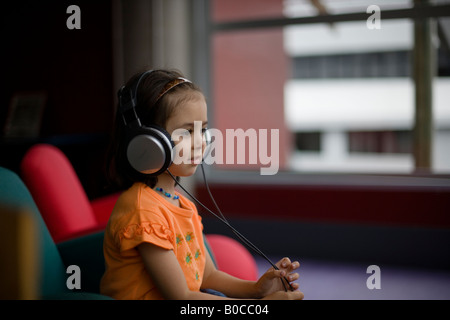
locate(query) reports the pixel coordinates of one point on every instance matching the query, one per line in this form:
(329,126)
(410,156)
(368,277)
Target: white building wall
(334,107)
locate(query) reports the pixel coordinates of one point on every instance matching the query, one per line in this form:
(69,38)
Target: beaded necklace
(168,195)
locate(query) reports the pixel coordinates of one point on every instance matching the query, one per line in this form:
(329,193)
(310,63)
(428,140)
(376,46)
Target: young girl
(153,242)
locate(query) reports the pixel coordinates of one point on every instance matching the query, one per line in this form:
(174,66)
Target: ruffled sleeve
(134,233)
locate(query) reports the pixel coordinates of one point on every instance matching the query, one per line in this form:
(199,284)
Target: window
(399,141)
(340,94)
(248,75)
(308,141)
(358,65)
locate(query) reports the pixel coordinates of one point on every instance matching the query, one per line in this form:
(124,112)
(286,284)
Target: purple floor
(321,280)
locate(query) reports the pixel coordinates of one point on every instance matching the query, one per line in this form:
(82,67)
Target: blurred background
(361,99)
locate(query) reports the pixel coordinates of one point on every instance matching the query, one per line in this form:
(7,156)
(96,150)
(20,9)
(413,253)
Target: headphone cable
(225,221)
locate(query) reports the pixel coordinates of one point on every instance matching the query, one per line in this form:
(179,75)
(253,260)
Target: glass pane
(249,76)
(352,84)
(340,96)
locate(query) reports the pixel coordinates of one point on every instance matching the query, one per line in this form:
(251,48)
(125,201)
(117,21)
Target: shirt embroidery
(188,258)
(179,239)
(189,236)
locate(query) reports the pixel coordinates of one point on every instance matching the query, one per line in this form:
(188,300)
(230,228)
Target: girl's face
(187,125)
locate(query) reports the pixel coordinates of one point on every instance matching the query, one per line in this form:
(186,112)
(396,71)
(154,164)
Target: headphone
(149,148)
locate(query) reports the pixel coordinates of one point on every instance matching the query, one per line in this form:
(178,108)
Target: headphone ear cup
(150,151)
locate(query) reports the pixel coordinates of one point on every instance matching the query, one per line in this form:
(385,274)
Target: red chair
(59,195)
(232,257)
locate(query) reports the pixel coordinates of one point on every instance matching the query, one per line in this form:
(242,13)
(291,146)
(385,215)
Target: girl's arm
(166,273)
(268,286)
(227,284)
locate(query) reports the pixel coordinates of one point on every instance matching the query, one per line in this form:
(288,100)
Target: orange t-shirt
(143,215)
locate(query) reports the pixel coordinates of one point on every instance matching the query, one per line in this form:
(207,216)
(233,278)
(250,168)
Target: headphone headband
(127,104)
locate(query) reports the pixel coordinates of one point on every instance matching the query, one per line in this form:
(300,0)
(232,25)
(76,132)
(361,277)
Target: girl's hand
(270,282)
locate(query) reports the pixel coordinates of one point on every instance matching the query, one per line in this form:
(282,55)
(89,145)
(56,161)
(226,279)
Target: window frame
(202,32)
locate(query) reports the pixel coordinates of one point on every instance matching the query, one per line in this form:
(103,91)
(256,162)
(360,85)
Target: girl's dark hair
(119,170)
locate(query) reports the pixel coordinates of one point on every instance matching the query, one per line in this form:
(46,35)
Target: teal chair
(86,252)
